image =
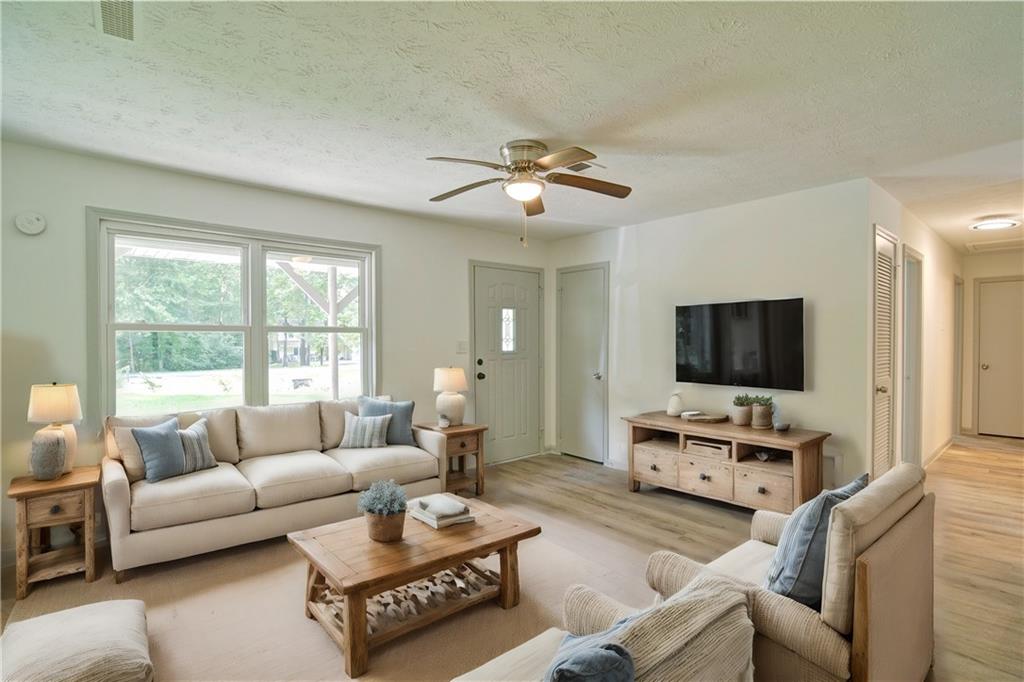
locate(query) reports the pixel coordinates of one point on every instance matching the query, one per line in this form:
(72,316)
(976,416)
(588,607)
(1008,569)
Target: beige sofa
(279,469)
(876,616)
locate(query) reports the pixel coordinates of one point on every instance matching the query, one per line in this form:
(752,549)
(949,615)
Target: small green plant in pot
(741,410)
(763,408)
(383,505)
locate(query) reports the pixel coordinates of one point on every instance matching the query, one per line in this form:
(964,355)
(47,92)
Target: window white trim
(104,224)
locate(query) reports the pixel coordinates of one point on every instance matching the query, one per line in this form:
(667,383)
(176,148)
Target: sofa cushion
(121,444)
(400,427)
(854,526)
(294,477)
(277,429)
(332,421)
(748,562)
(106,641)
(223,429)
(206,494)
(402,463)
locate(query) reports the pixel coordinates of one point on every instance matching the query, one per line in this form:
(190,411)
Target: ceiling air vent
(117,18)
(580,167)
(996,245)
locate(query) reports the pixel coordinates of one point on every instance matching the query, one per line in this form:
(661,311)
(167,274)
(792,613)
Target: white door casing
(1000,356)
(506,365)
(884,303)
(911,357)
(582,328)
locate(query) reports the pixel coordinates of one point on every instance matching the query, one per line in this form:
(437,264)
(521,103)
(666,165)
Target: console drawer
(705,476)
(764,490)
(655,465)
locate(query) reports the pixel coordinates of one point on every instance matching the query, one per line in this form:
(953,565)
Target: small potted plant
(383,505)
(762,412)
(741,410)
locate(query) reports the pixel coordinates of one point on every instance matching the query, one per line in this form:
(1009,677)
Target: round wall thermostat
(30,223)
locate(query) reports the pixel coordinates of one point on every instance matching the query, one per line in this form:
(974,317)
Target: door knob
(881,389)
(479,361)
(481,376)
(598,376)
(984,366)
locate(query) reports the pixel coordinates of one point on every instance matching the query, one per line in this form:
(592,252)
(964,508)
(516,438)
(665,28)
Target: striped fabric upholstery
(365,432)
(196,442)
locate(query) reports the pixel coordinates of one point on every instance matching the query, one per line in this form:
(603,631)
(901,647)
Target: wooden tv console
(717,461)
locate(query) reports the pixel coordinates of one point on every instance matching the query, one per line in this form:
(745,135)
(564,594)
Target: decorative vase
(49,450)
(675,405)
(385,527)
(762,417)
(740,415)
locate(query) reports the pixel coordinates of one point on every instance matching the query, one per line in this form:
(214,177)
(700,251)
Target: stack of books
(440,511)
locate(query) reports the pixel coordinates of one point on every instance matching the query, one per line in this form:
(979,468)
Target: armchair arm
(767,526)
(586,611)
(668,572)
(117,499)
(801,630)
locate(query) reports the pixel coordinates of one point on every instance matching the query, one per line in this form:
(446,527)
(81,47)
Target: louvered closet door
(884,354)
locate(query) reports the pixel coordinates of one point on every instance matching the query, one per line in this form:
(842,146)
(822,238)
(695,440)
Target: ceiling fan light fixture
(523,187)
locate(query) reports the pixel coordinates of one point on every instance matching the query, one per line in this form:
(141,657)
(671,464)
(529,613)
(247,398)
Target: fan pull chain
(523,240)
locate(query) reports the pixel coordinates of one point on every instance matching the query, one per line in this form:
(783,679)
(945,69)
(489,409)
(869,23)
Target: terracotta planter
(762,417)
(385,528)
(740,415)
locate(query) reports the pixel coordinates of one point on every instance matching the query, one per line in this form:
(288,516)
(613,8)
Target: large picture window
(204,318)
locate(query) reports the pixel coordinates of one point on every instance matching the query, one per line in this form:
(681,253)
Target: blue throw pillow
(400,428)
(596,658)
(798,567)
(168,452)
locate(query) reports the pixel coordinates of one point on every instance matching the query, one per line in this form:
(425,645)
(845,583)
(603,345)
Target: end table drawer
(48,510)
(460,444)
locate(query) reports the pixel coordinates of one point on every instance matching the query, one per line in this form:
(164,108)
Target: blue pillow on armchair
(400,428)
(798,566)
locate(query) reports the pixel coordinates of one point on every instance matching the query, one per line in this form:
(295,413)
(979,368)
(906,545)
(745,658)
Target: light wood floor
(979,544)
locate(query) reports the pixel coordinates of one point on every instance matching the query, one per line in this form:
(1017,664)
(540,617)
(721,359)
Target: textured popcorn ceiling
(695,105)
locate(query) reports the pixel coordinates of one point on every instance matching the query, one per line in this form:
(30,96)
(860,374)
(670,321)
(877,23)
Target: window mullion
(258,370)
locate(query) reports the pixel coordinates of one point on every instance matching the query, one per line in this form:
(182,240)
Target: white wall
(980,266)
(941,264)
(424,265)
(814,244)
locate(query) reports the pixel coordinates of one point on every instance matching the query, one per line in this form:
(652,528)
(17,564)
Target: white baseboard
(938,451)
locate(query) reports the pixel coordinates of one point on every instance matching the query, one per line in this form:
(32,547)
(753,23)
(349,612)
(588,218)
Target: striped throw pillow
(196,442)
(365,432)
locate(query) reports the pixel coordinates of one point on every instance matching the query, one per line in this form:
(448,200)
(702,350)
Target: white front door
(1001,358)
(507,362)
(582,352)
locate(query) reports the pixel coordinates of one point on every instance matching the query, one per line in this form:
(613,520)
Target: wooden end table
(365,593)
(40,505)
(464,440)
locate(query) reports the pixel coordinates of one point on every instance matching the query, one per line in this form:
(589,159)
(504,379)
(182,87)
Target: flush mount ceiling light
(995,223)
(523,187)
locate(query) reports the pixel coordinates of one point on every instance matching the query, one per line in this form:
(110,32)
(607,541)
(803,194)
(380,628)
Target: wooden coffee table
(365,593)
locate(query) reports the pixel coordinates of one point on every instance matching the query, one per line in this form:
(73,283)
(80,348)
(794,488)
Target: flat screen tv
(759,344)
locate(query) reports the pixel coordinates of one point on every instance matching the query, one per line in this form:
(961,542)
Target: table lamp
(57,405)
(450,381)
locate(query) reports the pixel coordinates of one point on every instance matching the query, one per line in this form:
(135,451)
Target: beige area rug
(237,615)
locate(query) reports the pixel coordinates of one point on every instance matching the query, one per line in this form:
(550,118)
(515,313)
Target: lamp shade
(450,379)
(54,403)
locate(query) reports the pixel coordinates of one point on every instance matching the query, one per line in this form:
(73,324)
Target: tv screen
(752,343)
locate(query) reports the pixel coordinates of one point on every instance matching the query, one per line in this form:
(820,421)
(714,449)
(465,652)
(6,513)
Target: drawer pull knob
(704,477)
(761,490)
(654,467)
(462,444)
(55,509)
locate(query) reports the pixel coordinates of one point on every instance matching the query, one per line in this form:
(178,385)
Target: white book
(436,523)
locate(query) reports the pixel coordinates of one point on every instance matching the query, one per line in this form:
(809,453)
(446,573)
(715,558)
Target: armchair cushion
(748,562)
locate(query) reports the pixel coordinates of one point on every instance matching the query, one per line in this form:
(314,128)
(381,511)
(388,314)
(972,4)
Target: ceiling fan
(527,165)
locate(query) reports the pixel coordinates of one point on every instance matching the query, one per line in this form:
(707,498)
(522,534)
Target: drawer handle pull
(654,467)
(55,509)
(704,477)
(761,490)
(462,444)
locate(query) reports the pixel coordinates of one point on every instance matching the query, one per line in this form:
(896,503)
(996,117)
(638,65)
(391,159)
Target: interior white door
(506,370)
(582,352)
(1001,358)
(884,347)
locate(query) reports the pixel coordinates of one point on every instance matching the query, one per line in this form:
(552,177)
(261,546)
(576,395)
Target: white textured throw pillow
(365,432)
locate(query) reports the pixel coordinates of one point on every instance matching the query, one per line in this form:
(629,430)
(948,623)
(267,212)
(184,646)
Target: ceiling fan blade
(591,184)
(465,188)
(533,206)
(563,157)
(485,164)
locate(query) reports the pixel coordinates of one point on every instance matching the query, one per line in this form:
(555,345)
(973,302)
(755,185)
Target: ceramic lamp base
(49,453)
(452,406)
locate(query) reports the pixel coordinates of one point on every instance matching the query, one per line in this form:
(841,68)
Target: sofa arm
(767,526)
(801,630)
(117,499)
(586,611)
(668,572)
(434,442)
